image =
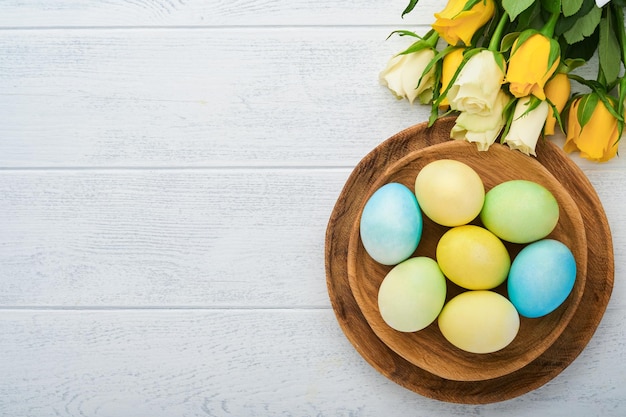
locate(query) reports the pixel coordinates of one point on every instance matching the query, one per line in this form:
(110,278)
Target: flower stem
(494,43)
(431,38)
(548,29)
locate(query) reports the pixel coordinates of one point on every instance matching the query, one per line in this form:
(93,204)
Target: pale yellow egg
(479,321)
(449,192)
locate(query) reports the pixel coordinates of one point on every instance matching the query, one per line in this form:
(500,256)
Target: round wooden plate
(573,339)
(428,349)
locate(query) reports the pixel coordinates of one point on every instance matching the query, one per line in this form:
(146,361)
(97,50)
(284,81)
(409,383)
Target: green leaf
(571,7)
(530,18)
(584,27)
(569,64)
(470,4)
(584,49)
(566,23)
(552,6)
(608,49)
(508,40)
(585,108)
(411,6)
(555,113)
(403,33)
(620,32)
(515,7)
(555,52)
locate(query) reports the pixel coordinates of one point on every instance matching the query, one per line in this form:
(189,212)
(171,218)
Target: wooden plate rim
(478,367)
(599,285)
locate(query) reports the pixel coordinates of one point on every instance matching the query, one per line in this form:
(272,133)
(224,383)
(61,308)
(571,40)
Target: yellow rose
(482,129)
(530,67)
(477,86)
(557,91)
(597,139)
(526,126)
(403,73)
(451,63)
(454,24)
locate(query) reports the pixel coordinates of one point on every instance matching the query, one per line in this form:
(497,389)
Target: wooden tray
(428,349)
(573,339)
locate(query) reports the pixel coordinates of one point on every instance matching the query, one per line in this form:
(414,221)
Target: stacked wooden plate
(424,361)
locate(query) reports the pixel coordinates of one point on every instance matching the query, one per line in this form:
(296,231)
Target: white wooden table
(167,171)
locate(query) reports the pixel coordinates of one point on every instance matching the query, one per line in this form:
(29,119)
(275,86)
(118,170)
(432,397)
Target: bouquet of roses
(505,67)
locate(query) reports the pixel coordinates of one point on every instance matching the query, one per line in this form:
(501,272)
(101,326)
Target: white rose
(526,128)
(483,130)
(476,88)
(403,72)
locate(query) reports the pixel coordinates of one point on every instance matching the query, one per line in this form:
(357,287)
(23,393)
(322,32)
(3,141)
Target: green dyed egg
(520,211)
(412,294)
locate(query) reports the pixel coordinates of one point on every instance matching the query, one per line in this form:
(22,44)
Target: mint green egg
(520,211)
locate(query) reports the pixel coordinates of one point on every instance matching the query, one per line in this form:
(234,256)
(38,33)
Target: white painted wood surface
(167,170)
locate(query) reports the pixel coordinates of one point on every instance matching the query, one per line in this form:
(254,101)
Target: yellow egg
(473,257)
(479,321)
(449,192)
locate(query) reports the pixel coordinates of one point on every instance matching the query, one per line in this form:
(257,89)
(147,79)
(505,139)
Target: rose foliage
(506,68)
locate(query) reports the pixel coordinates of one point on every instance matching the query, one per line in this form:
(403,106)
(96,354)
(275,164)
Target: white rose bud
(476,88)
(526,128)
(482,130)
(403,73)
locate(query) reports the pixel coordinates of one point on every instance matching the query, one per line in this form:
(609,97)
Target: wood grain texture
(598,285)
(242,238)
(167,171)
(72,13)
(246,363)
(223,237)
(427,348)
(197,98)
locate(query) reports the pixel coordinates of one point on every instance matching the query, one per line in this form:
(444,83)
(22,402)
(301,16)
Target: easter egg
(391,224)
(520,211)
(449,192)
(473,257)
(479,321)
(541,278)
(412,294)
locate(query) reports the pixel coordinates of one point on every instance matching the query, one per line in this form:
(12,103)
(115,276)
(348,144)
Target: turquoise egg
(391,224)
(541,278)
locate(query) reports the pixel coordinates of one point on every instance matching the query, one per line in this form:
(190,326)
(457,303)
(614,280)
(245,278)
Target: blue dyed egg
(541,278)
(391,224)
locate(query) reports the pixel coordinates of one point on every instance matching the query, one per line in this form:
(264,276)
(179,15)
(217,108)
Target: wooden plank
(243,238)
(220,363)
(187,237)
(206,97)
(193,97)
(72,13)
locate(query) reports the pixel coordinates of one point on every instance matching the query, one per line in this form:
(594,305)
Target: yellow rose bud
(451,63)
(454,25)
(528,69)
(597,140)
(557,91)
